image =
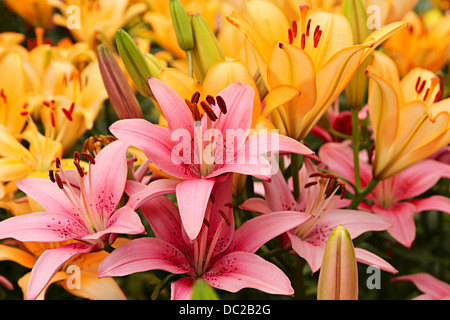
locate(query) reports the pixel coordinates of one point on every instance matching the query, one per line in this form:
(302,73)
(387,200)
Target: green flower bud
(206,49)
(182,25)
(135,62)
(355,13)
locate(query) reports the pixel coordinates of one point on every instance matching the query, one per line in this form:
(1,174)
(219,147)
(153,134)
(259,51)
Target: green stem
(189,61)
(298,281)
(359,196)
(355,135)
(339,134)
(108,249)
(295,167)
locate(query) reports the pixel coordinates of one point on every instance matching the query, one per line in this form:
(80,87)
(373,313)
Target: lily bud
(135,62)
(201,290)
(338,279)
(355,13)
(154,64)
(206,49)
(122,97)
(182,25)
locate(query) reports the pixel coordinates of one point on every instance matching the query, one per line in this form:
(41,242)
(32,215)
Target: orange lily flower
(409,121)
(37,13)
(88,20)
(420,45)
(305,64)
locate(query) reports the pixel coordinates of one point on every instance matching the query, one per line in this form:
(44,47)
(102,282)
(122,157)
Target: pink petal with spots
(109,174)
(144,254)
(42,227)
(239,270)
(164,220)
(155,142)
(311,252)
(123,221)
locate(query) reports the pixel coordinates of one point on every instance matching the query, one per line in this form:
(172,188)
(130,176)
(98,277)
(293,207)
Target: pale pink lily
(222,256)
(211,145)
(431,287)
(83,209)
(319,198)
(392,197)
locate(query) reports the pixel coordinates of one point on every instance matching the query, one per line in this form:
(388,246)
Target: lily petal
(109,174)
(182,289)
(175,110)
(439,203)
(250,236)
(371,259)
(42,227)
(192,198)
(402,217)
(142,255)
(239,270)
(123,221)
(146,193)
(154,141)
(49,263)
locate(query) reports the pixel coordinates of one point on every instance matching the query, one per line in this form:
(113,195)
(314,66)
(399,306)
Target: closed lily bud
(338,279)
(182,25)
(355,13)
(206,49)
(122,97)
(135,62)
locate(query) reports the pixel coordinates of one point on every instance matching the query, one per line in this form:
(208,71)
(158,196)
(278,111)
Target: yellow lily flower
(17,162)
(66,88)
(15,91)
(420,45)
(89,19)
(305,64)
(389,10)
(37,13)
(409,121)
(73,95)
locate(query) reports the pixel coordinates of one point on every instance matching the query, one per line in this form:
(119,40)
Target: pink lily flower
(319,198)
(212,144)
(221,256)
(80,208)
(432,288)
(391,196)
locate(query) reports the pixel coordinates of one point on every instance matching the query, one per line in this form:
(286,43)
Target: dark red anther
(221,104)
